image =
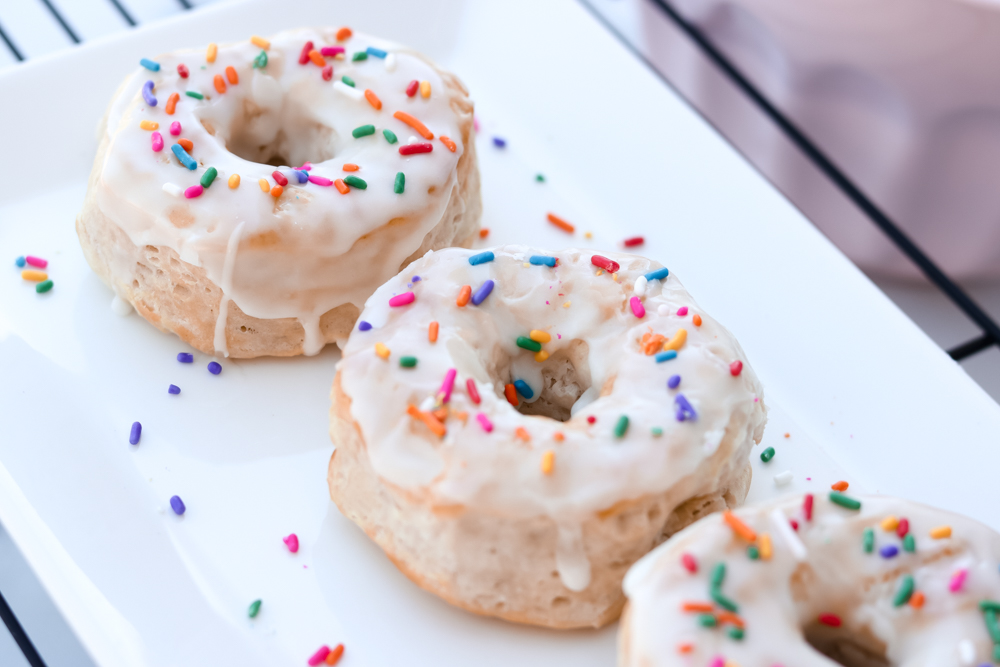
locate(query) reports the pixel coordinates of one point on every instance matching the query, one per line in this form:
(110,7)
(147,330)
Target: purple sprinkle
(685,411)
(303,176)
(415,279)
(364,326)
(185,357)
(177,505)
(133,437)
(674,381)
(147,93)
(889,551)
(214,367)
(498,142)
(173,389)
(482,292)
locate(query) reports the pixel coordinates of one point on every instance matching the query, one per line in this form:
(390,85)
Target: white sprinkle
(783,478)
(639,289)
(390,62)
(412,140)
(121,307)
(427,405)
(663,310)
(967,652)
(349,91)
(784,529)
(172,190)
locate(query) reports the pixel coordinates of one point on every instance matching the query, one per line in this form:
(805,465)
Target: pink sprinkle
(485,422)
(292,542)
(475,123)
(682,311)
(175,128)
(402,299)
(637,308)
(957,580)
(36,261)
(194,191)
(157,140)
(327,72)
(447,385)
(319,180)
(470,384)
(306,166)
(689,563)
(319,656)
(329,51)
(719,661)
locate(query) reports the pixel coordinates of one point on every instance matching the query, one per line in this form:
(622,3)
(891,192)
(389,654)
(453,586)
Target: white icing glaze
(300,255)
(121,307)
(828,572)
(498,472)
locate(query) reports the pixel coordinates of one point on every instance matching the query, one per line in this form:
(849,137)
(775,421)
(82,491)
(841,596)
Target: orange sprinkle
(382,351)
(344,33)
(264,185)
(172,103)
(440,414)
(462,415)
(436,427)
(558,436)
(234,181)
(697,320)
(917,600)
(148,125)
(351,167)
(788,435)
(685,648)
(463,298)
(373,99)
(449,143)
(341,186)
(264,44)
(213,50)
(697,607)
(548,461)
(651,343)
(739,527)
(560,223)
(729,617)
(276,191)
(941,532)
(231,74)
(317,58)
(432,332)
(484,232)
(765,546)
(186,144)
(220,84)
(333,657)
(415,124)
(839,486)
(522,433)
(511,394)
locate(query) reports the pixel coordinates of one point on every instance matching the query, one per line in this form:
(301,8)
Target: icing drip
(314,341)
(121,307)
(227,286)
(571,558)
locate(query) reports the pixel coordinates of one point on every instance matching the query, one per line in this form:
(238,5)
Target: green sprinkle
(355,182)
(208,177)
(992,626)
(254,609)
(707,621)
(844,501)
(528,344)
(718,574)
(390,136)
(539,178)
(400,184)
(408,362)
(723,601)
(197,96)
(359,55)
(621,426)
(752,552)
(363,131)
(987,605)
(736,633)
(869,540)
(348,80)
(904,592)
(42,288)
(657,431)
(767,454)
(909,544)
(996,653)
(260,62)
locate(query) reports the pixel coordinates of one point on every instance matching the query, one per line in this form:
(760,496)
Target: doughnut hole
(565,377)
(848,646)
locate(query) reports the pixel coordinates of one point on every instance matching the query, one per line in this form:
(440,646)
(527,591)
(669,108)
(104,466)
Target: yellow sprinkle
(540,336)
(213,50)
(567,304)
(764,546)
(677,342)
(588,235)
(381,350)
(614,276)
(425,89)
(264,185)
(149,125)
(600,272)
(339,56)
(541,356)
(31,274)
(234,181)
(941,532)
(548,461)
(527,265)
(890,523)
(261,42)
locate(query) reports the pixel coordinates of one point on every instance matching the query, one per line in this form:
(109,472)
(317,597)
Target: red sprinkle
(903,528)
(807,507)
(292,542)
(279,178)
(470,384)
(689,563)
(736,368)
(304,56)
(591,419)
(830,619)
(410,149)
(411,89)
(795,524)
(603,262)
(327,72)
(634,241)
(183,71)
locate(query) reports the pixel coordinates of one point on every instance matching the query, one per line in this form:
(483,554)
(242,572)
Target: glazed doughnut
(195,215)
(810,582)
(516,427)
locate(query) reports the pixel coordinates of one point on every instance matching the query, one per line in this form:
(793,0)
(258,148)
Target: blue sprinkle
(214,367)
(889,551)
(378,53)
(133,437)
(482,292)
(183,156)
(542,260)
(666,356)
(147,93)
(185,357)
(177,505)
(498,142)
(685,411)
(523,389)
(20,261)
(150,65)
(173,389)
(482,258)
(674,381)
(364,326)
(302,175)
(659,274)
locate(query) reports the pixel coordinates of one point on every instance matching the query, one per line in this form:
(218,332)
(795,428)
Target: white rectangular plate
(864,395)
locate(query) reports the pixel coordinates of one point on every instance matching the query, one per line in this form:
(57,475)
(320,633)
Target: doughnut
(250,197)
(810,581)
(516,427)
